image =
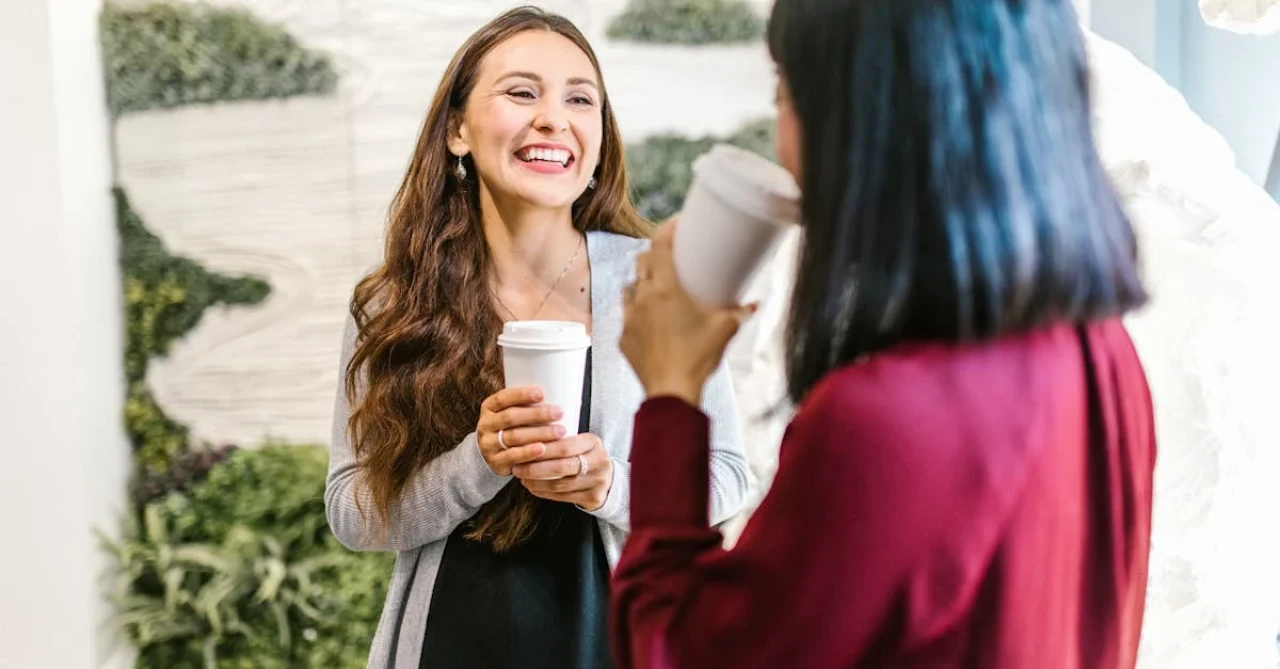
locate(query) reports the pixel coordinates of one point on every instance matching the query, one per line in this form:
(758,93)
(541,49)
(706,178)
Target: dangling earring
(460,170)
(591,183)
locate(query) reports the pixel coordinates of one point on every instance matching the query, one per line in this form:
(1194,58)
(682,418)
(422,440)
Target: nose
(551,118)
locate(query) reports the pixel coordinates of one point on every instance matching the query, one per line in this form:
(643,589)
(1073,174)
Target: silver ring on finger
(502,442)
(583,467)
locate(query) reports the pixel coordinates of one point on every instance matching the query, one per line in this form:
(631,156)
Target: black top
(540,605)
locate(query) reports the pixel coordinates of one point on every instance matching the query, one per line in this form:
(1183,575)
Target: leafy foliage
(239,570)
(165,297)
(187,467)
(661,167)
(687,22)
(169,54)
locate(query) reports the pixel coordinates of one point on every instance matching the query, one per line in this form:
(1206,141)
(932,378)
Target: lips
(540,154)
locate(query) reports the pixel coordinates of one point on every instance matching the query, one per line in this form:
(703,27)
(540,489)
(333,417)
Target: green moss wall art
(239,570)
(688,22)
(164,298)
(164,54)
(226,560)
(660,167)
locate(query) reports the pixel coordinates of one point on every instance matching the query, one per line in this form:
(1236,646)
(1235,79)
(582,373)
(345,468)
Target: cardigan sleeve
(435,501)
(730,475)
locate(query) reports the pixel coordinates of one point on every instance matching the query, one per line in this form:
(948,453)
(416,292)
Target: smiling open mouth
(560,157)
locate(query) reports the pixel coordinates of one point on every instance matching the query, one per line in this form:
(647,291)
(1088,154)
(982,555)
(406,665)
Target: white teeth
(545,155)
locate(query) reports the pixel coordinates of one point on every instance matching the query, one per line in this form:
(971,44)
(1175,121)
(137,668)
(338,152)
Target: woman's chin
(549,198)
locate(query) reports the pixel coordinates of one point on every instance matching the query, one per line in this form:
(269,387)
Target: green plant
(164,297)
(687,22)
(168,54)
(239,570)
(660,167)
(187,467)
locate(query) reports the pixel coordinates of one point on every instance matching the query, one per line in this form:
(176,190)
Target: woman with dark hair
(514,207)
(967,480)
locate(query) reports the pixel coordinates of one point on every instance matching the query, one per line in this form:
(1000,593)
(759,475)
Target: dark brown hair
(426,355)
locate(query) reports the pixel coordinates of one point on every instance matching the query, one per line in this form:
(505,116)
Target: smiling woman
(514,207)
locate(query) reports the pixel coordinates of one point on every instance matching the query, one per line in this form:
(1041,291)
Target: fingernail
(557,413)
(537,396)
(559,430)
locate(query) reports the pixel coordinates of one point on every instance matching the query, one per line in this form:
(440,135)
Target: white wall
(61,383)
(1233,82)
(1130,23)
(1151,29)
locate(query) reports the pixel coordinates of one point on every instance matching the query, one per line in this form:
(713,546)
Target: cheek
(591,138)
(493,133)
(788,142)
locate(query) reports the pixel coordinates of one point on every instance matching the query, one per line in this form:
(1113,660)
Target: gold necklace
(550,291)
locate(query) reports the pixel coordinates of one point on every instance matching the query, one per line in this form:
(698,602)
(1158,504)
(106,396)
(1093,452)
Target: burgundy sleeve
(780,597)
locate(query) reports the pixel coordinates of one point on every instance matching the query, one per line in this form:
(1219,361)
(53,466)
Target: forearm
(442,495)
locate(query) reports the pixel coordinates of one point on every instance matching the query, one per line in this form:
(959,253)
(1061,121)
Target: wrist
(689,390)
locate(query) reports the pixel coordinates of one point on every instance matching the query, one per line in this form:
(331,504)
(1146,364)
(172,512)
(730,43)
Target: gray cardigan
(451,488)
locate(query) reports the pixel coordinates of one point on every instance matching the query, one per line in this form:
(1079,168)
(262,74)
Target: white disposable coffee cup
(551,355)
(736,211)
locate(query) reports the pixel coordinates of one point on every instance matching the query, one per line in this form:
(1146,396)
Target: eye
(582,100)
(521,93)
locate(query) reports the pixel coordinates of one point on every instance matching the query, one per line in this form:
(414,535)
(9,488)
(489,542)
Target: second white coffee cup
(736,211)
(551,355)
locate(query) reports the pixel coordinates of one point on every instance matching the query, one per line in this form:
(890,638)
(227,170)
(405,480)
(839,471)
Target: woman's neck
(528,242)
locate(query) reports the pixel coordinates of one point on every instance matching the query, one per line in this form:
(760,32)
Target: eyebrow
(533,76)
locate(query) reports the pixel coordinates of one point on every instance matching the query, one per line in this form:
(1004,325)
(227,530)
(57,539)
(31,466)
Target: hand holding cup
(673,342)
(514,428)
(576,470)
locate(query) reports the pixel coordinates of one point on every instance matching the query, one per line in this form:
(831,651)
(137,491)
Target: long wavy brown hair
(426,355)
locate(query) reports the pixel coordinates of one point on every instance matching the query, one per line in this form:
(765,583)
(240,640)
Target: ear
(458,143)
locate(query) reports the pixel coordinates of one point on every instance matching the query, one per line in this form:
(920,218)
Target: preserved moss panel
(166,54)
(691,22)
(164,296)
(661,167)
(239,571)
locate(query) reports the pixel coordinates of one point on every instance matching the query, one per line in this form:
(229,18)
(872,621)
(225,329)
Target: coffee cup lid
(544,335)
(750,181)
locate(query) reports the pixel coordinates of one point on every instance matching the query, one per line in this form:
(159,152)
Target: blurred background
(190,191)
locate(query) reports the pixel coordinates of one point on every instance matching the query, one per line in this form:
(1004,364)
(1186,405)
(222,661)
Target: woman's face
(787,135)
(534,121)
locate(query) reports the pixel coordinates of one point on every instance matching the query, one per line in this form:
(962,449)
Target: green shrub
(687,22)
(240,570)
(660,167)
(164,297)
(188,467)
(168,54)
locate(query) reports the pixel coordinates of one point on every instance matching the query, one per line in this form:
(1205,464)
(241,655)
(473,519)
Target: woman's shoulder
(936,398)
(612,243)
(613,254)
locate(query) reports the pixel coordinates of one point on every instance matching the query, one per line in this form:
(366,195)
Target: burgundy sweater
(984,506)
